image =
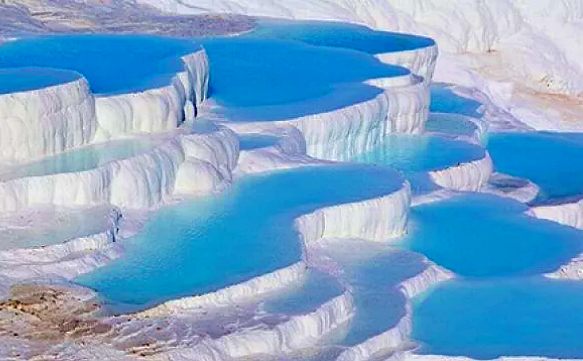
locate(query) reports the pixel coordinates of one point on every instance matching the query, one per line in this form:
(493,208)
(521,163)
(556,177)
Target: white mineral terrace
(191,152)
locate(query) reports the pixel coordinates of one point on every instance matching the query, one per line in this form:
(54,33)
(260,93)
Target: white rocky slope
(512,51)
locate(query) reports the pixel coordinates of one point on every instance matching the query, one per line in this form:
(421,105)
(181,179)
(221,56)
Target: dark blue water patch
(25,79)
(209,243)
(340,35)
(553,161)
(112,64)
(444,100)
(256,141)
(510,317)
(478,235)
(265,79)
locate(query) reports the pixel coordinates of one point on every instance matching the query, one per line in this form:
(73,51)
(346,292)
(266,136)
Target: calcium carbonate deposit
(290,180)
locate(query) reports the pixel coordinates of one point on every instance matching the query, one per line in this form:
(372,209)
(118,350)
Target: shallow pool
(551,160)
(451,124)
(373,275)
(309,79)
(256,141)
(419,153)
(339,35)
(209,243)
(479,235)
(488,319)
(25,79)
(78,160)
(445,100)
(112,64)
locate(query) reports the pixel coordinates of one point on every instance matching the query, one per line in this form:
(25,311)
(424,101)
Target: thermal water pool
(256,141)
(454,125)
(415,155)
(81,159)
(485,319)
(212,242)
(145,61)
(310,79)
(339,35)
(445,100)
(25,79)
(478,235)
(550,160)
(373,274)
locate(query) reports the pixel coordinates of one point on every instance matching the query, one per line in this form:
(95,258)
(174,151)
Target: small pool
(212,242)
(26,79)
(420,153)
(373,274)
(451,124)
(480,235)
(510,317)
(553,161)
(78,160)
(49,226)
(444,100)
(256,141)
(112,64)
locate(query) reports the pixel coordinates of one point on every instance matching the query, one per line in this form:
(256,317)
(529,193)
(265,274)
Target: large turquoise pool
(113,64)
(208,243)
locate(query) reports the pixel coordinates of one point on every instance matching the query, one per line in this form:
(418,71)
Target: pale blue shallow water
(551,160)
(415,155)
(208,243)
(317,289)
(516,316)
(82,159)
(450,124)
(24,79)
(256,141)
(373,275)
(479,235)
(113,64)
(419,153)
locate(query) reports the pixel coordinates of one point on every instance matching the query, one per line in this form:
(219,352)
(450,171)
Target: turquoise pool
(209,243)
(550,160)
(485,319)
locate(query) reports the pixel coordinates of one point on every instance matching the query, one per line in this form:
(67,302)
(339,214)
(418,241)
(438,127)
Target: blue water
(373,274)
(113,64)
(86,158)
(256,141)
(339,35)
(554,161)
(269,79)
(451,124)
(487,319)
(444,100)
(206,244)
(317,289)
(419,153)
(479,235)
(23,79)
